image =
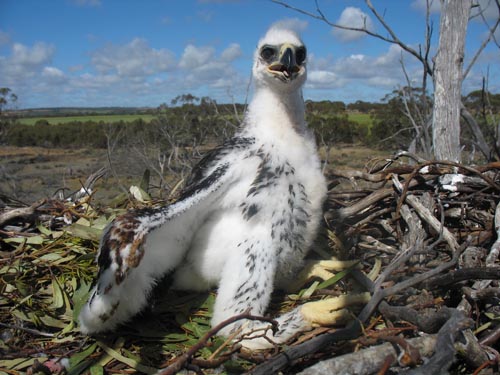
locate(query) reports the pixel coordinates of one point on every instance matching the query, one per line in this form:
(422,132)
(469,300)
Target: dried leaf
(307,293)
(96,370)
(20,363)
(128,361)
(32,240)
(57,295)
(85,232)
(78,357)
(43,230)
(80,297)
(139,194)
(49,321)
(76,361)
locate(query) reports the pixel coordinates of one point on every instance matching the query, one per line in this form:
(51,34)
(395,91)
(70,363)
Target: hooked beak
(286,67)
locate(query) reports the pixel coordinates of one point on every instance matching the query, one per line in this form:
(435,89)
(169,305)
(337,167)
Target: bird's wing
(202,174)
(140,246)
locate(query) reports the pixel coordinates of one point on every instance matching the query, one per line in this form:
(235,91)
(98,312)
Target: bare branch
(393,37)
(491,35)
(183,359)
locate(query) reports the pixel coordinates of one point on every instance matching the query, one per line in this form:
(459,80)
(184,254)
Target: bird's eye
(267,53)
(300,55)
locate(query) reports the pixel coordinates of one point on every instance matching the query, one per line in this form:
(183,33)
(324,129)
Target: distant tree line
(193,122)
(189,124)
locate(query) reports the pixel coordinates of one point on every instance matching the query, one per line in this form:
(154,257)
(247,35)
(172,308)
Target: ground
(32,173)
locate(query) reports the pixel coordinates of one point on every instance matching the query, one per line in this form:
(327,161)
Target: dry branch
(19,213)
(432,227)
(184,359)
(418,222)
(370,360)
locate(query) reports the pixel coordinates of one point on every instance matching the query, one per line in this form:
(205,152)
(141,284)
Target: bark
(370,360)
(448,79)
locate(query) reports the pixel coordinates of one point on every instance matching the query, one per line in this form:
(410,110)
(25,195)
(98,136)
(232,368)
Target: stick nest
(426,234)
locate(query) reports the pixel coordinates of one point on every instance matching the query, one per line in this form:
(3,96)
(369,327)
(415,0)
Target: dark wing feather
(200,178)
(123,233)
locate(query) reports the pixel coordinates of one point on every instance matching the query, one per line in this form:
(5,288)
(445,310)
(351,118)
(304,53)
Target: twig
(485,42)
(428,323)
(22,212)
(370,360)
(29,330)
(463,274)
(428,217)
(183,359)
(445,350)
(393,37)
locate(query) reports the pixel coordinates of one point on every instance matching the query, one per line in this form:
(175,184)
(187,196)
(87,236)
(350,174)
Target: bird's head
(280,60)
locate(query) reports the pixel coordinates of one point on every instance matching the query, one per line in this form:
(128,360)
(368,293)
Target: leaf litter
(47,266)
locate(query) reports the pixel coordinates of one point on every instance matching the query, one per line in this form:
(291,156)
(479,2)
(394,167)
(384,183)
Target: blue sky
(144,53)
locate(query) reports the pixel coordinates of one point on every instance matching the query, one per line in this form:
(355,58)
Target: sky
(96,53)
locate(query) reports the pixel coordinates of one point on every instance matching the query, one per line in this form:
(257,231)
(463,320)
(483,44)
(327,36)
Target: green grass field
(84,118)
(360,118)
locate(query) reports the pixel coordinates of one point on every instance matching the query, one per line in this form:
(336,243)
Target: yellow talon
(332,310)
(321,269)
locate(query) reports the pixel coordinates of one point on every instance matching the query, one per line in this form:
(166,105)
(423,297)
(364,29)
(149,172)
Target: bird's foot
(322,269)
(333,310)
(327,312)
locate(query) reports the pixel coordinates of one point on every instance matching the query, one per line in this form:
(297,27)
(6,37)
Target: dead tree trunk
(448,79)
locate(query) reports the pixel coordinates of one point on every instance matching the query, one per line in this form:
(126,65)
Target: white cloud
(205,15)
(194,57)
(294,24)
(133,73)
(54,75)
(323,79)
(421,6)
(37,55)
(24,62)
(377,69)
(359,57)
(202,68)
(352,17)
(134,59)
(91,81)
(4,38)
(76,68)
(383,71)
(231,53)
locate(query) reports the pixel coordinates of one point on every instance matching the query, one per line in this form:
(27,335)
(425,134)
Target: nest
(426,234)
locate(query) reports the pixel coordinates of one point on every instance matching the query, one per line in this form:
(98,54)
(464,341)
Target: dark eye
(300,55)
(267,53)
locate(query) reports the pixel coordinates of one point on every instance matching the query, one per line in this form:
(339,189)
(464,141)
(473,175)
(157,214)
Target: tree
(185,98)
(448,77)
(398,123)
(7,98)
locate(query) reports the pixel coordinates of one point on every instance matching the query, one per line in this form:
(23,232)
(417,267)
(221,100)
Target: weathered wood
(448,79)
(19,213)
(369,360)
